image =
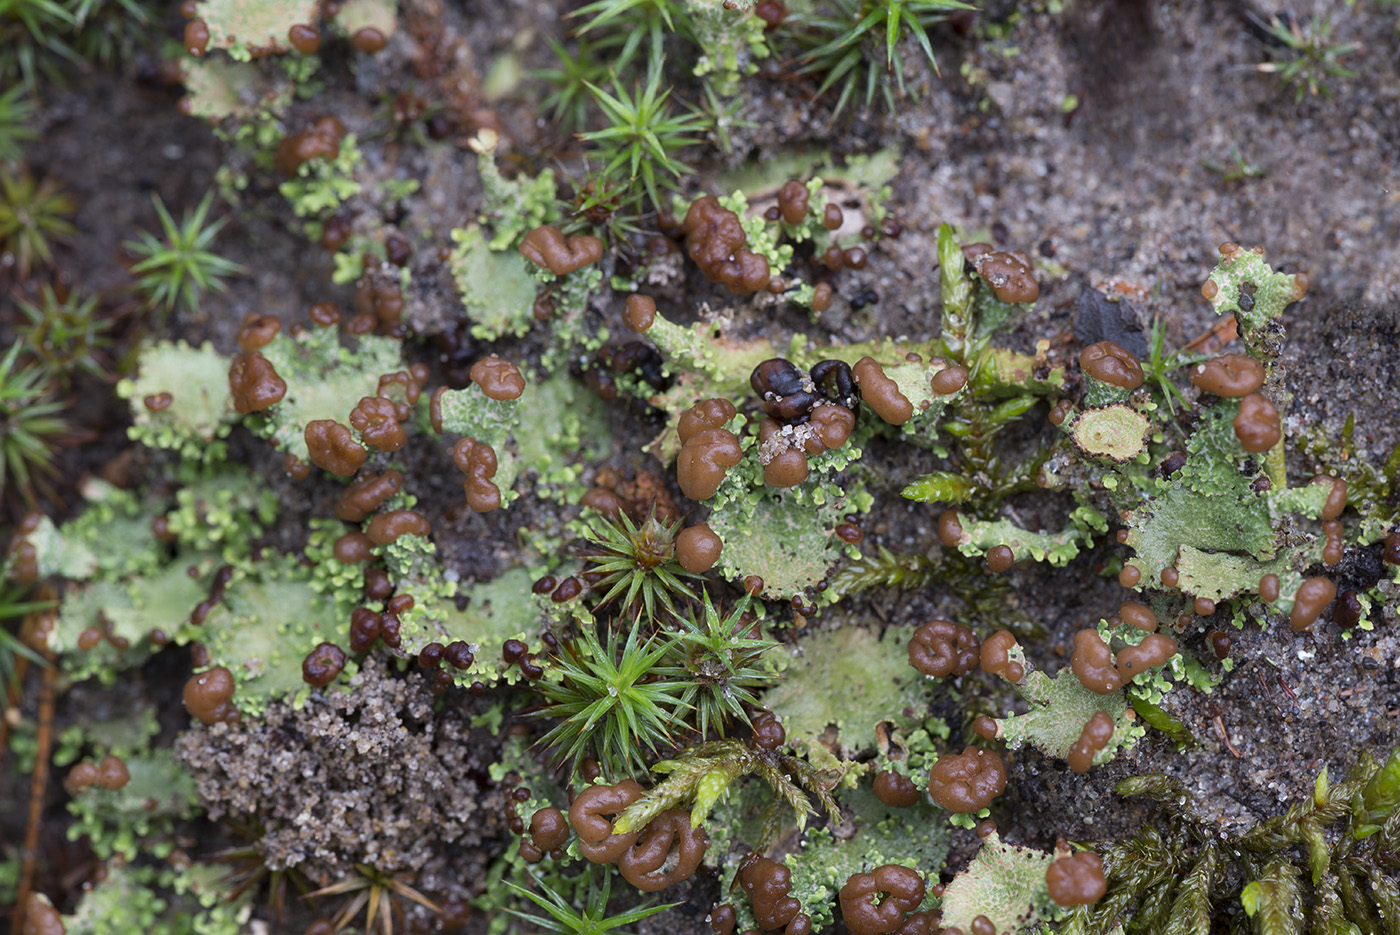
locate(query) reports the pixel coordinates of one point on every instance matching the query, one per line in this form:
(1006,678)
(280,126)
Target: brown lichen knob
(1154,650)
(254,383)
(499,379)
(376,419)
(1112,364)
(875,903)
(1093,663)
(1010,276)
(322,665)
(668,838)
(996,656)
(332,447)
(1229,375)
(546,246)
(1076,880)
(208,696)
(881,393)
(548,828)
(388,527)
(896,790)
(941,648)
(592,814)
(640,313)
(1312,599)
(698,548)
(112,773)
(366,494)
(1093,738)
(968,781)
(1257,425)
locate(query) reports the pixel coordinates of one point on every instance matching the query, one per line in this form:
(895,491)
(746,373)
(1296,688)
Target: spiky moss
(324,381)
(852,679)
(1005,883)
(139,817)
(911,837)
(200,413)
(246,28)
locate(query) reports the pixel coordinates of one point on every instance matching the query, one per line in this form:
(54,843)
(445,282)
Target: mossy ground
(1116,191)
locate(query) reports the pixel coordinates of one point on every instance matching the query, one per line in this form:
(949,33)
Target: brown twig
(1220,726)
(37,787)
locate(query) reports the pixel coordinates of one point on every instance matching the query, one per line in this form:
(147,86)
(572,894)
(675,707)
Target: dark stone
(1099,318)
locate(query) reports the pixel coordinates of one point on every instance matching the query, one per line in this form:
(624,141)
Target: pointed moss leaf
(1190,913)
(497,289)
(1274,900)
(941,487)
(200,412)
(1059,709)
(848,677)
(1117,432)
(1158,719)
(955,291)
(1378,798)
(1005,883)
